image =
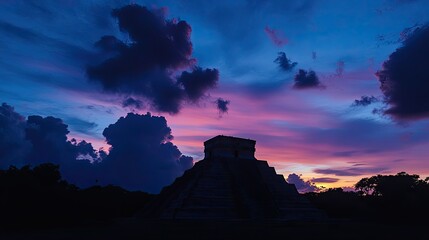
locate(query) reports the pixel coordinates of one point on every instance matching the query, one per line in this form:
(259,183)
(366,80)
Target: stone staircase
(231,187)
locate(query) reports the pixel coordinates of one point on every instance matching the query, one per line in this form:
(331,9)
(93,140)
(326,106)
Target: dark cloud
(284,63)
(141,155)
(365,101)
(222,105)
(13,145)
(48,136)
(276,36)
(301,185)
(41,140)
(132,103)
(404,77)
(304,79)
(186,162)
(158,41)
(324,180)
(197,82)
(110,44)
(352,171)
(158,48)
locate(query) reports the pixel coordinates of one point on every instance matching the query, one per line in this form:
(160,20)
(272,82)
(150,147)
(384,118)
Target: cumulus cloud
(13,145)
(284,63)
(147,64)
(222,105)
(48,137)
(365,101)
(404,77)
(301,185)
(276,36)
(306,79)
(141,155)
(37,140)
(186,162)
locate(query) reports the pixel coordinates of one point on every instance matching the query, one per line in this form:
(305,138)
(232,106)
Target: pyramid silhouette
(230,183)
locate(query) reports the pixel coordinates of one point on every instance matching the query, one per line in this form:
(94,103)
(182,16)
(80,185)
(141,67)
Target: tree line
(39,198)
(400,198)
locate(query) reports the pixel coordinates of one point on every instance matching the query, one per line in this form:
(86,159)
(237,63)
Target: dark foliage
(38,198)
(339,204)
(400,198)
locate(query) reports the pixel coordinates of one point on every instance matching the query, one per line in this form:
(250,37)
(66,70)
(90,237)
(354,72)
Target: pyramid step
(205,213)
(216,192)
(209,202)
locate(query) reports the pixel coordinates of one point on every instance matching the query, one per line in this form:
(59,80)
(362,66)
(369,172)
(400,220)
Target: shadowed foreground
(180,229)
(37,204)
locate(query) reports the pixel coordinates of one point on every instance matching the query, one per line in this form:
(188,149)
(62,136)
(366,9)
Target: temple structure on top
(229,147)
(230,183)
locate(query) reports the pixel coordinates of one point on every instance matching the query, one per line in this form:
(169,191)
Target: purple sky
(330,128)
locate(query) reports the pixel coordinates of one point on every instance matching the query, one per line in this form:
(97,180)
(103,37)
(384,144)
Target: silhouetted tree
(390,185)
(339,204)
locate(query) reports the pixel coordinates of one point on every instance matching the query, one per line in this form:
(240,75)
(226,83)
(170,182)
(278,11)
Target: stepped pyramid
(230,183)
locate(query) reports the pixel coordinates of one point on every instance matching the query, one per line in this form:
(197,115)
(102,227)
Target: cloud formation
(141,155)
(365,101)
(351,171)
(13,145)
(284,63)
(147,65)
(40,140)
(304,79)
(198,82)
(404,77)
(301,185)
(324,180)
(222,105)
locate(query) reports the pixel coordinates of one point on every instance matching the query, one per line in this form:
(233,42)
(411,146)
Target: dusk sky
(304,78)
